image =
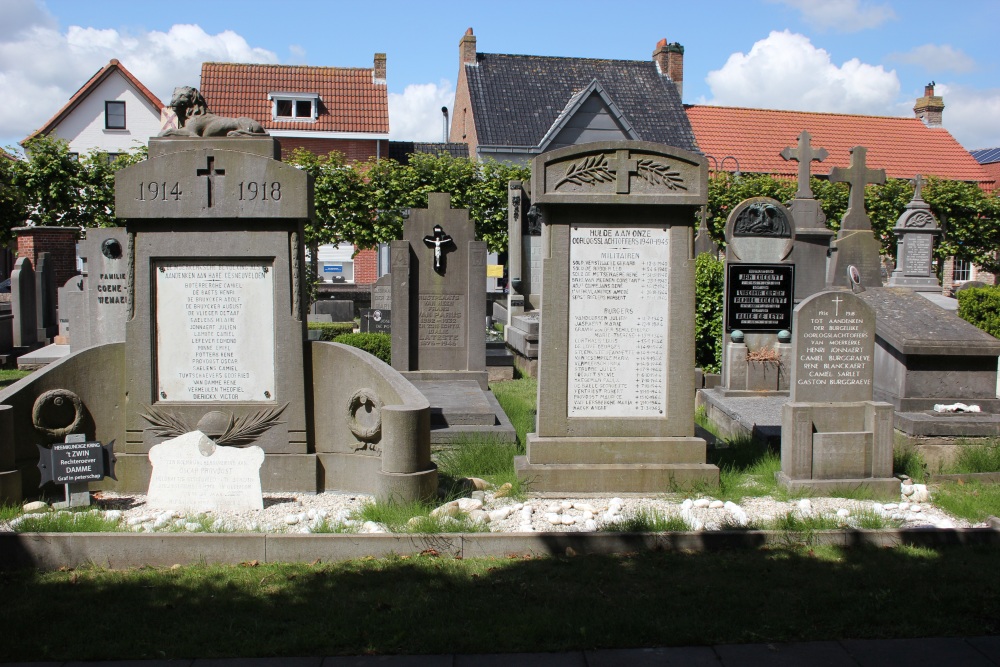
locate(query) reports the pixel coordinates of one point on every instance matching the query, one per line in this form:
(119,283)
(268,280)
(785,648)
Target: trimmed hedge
(376,344)
(331,329)
(709,280)
(980,306)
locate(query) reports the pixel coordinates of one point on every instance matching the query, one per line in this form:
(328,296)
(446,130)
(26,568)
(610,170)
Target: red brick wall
(366,267)
(355,150)
(59,242)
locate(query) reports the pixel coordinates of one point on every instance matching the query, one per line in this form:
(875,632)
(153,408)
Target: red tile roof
(85,89)
(903,147)
(351,99)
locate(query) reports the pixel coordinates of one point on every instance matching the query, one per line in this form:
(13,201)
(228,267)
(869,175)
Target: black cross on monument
(210,172)
(804,154)
(624,168)
(439,239)
(918,186)
(857,177)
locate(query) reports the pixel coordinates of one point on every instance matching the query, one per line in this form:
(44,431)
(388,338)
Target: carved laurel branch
(165,424)
(239,433)
(591,170)
(920,219)
(658,173)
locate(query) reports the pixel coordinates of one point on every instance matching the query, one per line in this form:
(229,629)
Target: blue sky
(846,56)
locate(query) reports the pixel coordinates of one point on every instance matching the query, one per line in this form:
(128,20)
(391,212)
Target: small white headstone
(191,473)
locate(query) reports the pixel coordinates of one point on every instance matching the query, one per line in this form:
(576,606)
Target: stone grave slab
(460,402)
(339,311)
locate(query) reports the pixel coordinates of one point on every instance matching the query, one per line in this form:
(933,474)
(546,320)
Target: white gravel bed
(305,513)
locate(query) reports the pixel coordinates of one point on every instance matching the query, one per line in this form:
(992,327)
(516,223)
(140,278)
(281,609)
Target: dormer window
(298,107)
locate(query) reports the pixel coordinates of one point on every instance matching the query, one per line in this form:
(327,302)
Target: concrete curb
(50,551)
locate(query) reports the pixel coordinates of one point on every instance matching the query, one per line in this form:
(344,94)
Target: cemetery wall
(59,242)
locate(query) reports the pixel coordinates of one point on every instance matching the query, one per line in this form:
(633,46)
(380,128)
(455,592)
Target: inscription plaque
(759,297)
(618,313)
(441,320)
(917,254)
(834,349)
(215,331)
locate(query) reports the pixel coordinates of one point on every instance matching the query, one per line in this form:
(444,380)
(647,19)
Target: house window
(961,271)
(300,107)
(114,115)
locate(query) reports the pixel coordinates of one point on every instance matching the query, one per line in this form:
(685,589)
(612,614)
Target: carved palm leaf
(591,170)
(165,424)
(658,173)
(246,429)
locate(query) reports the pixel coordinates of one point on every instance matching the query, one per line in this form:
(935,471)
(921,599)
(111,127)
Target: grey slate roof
(516,99)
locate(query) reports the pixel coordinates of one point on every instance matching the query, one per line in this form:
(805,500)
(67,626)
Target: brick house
(513,107)
(321,109)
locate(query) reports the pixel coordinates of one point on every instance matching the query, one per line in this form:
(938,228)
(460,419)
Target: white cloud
(41,67)
(842,15)
(937,58)
(415,114)
(970,115)
(785,71)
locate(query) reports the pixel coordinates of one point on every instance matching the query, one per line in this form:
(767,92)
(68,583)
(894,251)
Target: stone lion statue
(195,120)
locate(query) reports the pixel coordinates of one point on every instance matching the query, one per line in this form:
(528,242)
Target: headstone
(760,280)
(524,228)
(856,244)
(216,301)
(23,302)
(96,304)
(45,298)
(812,236)
(615,409)
(915,230)
(191,473)
(833,434)
(439,295)
(382,293)
(339,311)
(374,320)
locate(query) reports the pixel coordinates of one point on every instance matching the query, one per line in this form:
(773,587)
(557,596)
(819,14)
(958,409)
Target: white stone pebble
(843,512)
(687,504)
(716,504)
(702,503)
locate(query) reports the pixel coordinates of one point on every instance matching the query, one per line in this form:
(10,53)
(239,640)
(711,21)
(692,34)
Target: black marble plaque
(759,297)
(376,320)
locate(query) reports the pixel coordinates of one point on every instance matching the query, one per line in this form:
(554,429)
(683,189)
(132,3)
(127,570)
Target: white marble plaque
(618,304)
(215,332)
(191,473)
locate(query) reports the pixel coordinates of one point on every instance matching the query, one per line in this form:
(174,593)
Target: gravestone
(812,236)
(382,293)
(216,302)
(45,298)
(95,305)
(378,318)
(760,279)
(833,435)
(856,244)
(525,276)
(615,405)
(439,296)
(339,311)
(915,230)
(23,304)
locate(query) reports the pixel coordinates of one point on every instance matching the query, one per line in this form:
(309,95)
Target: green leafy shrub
(331,329)
(708,296)
(375,344)
(980,306)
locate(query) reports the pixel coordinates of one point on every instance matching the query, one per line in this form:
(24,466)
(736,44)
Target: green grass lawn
(9,376)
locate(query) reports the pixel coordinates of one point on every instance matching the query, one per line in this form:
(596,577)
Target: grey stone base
(882,488)
(924,424)
(10,487)
(525,366)
(461,409)
(747,393)
(523,343)
(482,377)
(359,473)
(279,472)
(757,414)
(585,479)
(543,450)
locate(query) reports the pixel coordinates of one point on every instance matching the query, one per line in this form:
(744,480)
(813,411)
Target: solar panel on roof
(986,155)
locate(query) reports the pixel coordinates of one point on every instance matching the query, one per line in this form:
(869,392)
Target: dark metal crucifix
(210,172)
(437,241)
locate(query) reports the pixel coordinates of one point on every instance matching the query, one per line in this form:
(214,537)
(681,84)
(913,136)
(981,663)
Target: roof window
(298,107)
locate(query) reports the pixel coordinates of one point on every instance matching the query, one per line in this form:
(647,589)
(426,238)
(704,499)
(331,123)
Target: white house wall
(84,129)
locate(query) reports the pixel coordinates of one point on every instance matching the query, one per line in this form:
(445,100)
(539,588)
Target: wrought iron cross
(436,241)
(210,172)
(804,154)
(857,177)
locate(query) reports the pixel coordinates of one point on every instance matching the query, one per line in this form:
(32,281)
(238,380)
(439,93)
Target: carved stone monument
(95,304)
(812,236)
(524,260)
(833,435)
(615,406)
(856,244)
(915,231)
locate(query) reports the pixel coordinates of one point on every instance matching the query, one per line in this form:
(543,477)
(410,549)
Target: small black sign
(759,297)
(376,321)
(71,462)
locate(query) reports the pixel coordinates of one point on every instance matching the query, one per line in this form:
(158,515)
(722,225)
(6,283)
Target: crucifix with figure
(804,154)
(437,241)
(857,177)
(210,172)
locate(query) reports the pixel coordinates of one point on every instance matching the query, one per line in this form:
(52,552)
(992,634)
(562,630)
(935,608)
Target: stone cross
(857,177)
(918,186)
(439,239)
(210,172)
(804,154)
(623,170)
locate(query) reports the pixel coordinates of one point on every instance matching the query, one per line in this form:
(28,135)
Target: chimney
(467,49)
(669,59)
(378,75)
(930,107)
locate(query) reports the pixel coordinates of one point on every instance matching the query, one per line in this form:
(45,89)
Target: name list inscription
(917,254)
(442,320)
(618,308)
(759,297)
(835,352)
(215,332)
